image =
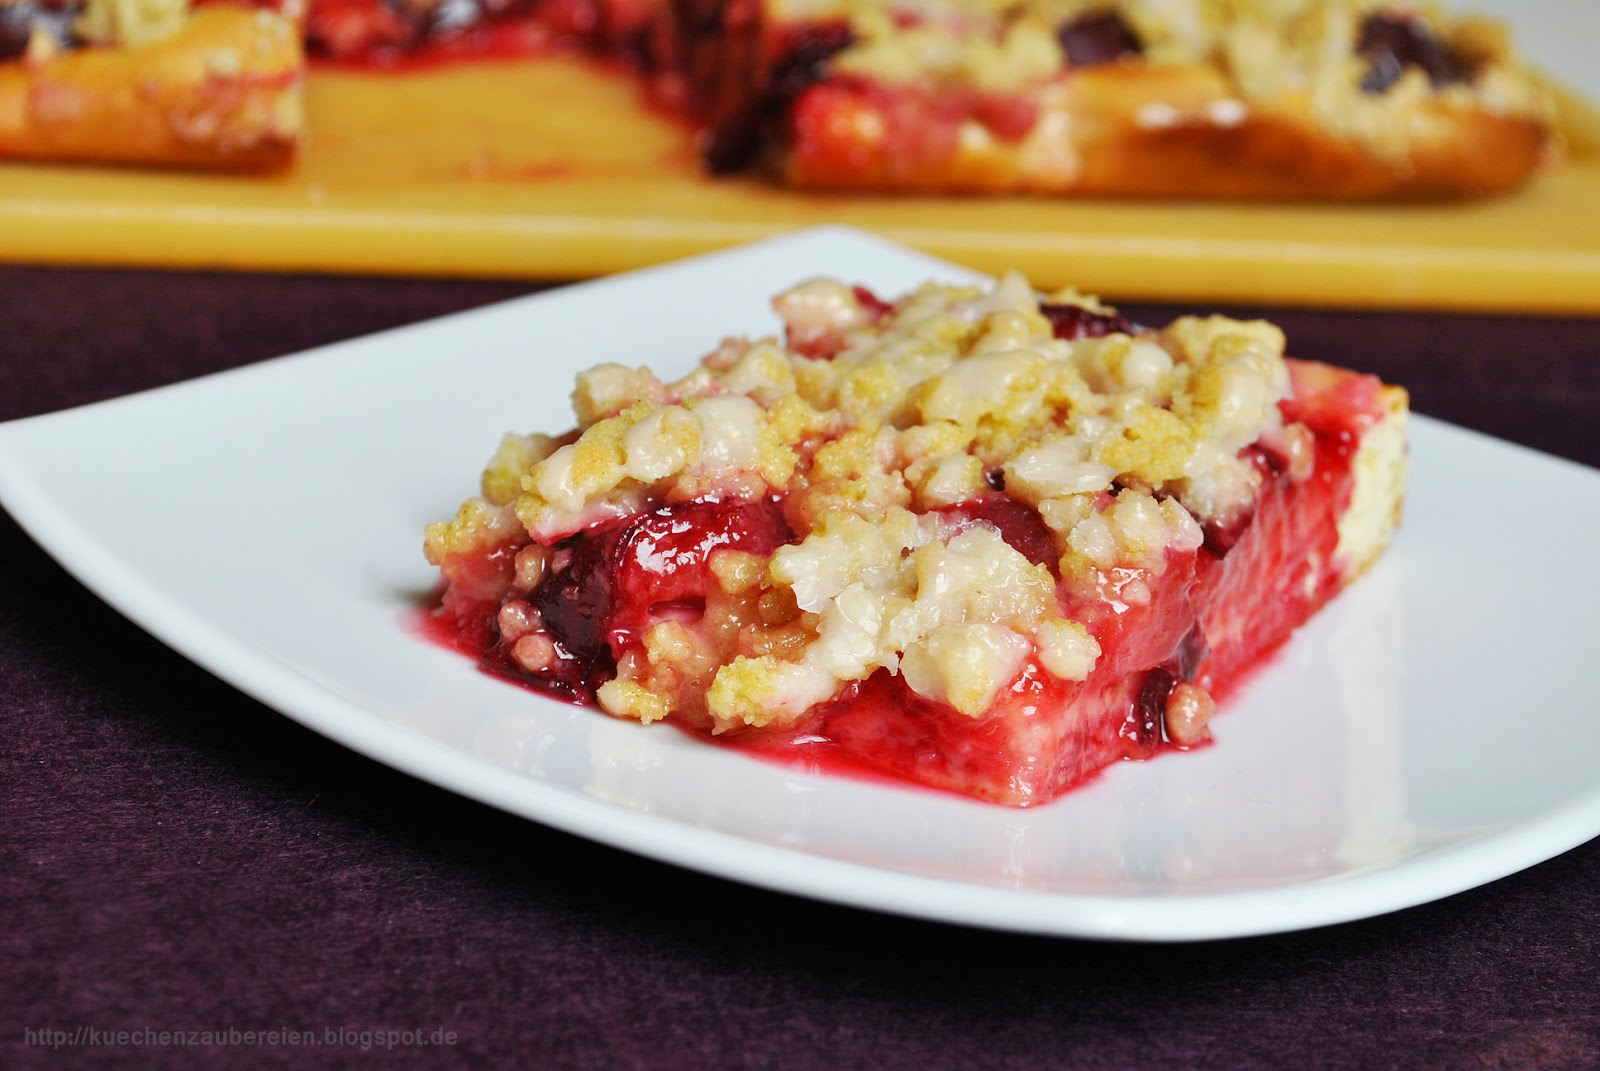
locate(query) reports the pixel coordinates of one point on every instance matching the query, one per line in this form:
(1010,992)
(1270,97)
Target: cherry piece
(1220,538)
(1072,322)
(876,308)
(19,19)
(1019,523)
(1098,37)
(16,27)
(662,558)
(574,601)
(605,587)
(1393,43)
(1147,718)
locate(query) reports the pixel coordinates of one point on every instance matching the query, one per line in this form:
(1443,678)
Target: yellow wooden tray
(555,168)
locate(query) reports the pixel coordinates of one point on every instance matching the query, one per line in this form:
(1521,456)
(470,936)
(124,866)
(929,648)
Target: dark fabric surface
(174,856)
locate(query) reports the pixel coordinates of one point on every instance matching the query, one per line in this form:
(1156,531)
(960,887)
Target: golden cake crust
(223,89)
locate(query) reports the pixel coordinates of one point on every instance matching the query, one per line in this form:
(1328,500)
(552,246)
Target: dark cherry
(1074,321)
(1270,463)
(16,27)
(995,478)
(606,586)
(736,142)
(1098,37)
(1220,538)
(1019,523)
(1147,720)
(1392,43)
(574,601)
(18,20)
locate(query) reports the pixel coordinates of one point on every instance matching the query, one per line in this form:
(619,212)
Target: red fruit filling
(914,128)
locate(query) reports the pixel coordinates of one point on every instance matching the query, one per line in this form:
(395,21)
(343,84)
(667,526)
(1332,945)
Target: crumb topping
(129,22)
(1302,55)
(892,434)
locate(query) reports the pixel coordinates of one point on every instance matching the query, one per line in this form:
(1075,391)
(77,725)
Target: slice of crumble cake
(975,537)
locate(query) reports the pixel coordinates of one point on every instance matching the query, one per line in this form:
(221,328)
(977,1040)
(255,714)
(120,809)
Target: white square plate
(1433,729)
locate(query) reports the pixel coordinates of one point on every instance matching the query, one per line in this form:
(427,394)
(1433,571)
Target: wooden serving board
(555,168)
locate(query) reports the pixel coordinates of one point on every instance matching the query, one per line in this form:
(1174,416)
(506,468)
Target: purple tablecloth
(175,857)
